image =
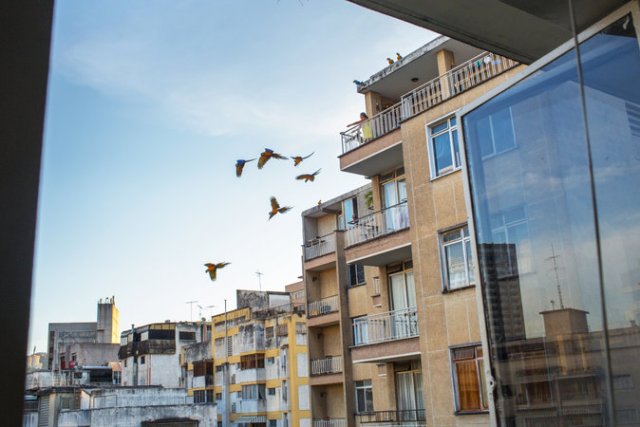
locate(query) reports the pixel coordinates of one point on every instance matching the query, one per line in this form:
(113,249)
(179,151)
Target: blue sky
(149,106)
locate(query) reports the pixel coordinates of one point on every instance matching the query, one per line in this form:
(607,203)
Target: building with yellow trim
(260,360)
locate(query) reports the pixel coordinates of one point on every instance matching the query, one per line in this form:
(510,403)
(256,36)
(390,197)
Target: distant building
(37,362)
(150,354)
(261,361)
(115,406)
(95,342)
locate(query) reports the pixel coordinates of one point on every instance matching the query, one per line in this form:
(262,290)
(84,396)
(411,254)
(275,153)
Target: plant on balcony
(368,199)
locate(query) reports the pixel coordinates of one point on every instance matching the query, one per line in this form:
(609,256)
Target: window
(253,392)
(252,361)
(495,133)
(273,423)
(468,379)
(510,234)
(444,152)
(187,336)
(301,328)
(364,397)
(360,330)
(271,391)
(456,259)
(218,396)
(117,377)
(142,360)
(356,275)
(268,332)
(349,213)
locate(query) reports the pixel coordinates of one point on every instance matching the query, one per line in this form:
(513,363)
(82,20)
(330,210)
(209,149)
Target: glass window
(356,275)
(271,391)
(444,150)
(360,330)
(469,379)
(364,396)
(457,259)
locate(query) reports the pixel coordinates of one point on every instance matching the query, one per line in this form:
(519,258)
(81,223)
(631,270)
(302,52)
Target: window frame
(483,395)
(468,257)
(359,281)
(355,325)
(435,174)
(366,387)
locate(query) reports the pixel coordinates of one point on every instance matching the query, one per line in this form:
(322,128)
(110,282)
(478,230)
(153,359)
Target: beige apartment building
(394,333)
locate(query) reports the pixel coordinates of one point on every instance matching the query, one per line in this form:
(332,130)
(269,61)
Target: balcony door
(403,303)
(394,192)
(409,398)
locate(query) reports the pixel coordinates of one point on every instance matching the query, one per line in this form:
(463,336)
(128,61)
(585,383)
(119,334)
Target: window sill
(476,412)
(450,291)
(446,173)
(357,285)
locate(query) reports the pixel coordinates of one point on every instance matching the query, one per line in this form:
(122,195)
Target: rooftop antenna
(553,259)
(259,274)
(191,307)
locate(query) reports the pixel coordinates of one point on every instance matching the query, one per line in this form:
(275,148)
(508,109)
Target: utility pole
(191,307)
(259,274)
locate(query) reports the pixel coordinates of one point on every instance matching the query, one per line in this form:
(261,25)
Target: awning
(250,419)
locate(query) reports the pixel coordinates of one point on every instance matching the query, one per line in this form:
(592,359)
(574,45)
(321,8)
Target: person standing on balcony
(364,128)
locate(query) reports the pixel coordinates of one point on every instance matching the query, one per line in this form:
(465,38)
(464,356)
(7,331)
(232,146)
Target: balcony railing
(327,365)
(377,224)
(383,327)
(319,246)
(455,81)
(250,375)
(332,422)
(249,406)
(375,127)
(324,306)
(413,417)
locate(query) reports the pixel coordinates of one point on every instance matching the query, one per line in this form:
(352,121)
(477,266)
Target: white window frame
(363,386)
(467,257)
(456,161)
(495,153)
(360,330)
(479,372)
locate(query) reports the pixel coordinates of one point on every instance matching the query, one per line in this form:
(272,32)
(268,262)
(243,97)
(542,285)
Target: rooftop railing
(384,327)
(326,365)
(319,246)
(455,81)
(377,224)
(323,306)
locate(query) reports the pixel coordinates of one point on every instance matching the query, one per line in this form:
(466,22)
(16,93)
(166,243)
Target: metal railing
(331,422)
(393,417)
(324,306)
(326,365)
(465,76)
(377,224)
(383,327)
(319,246)
(370,129)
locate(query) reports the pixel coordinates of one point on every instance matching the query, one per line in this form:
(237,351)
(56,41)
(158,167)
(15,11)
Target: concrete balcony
(250,375)
(379,238)
(326,365)
(248,406)
(323,312)
(320,252)
(390,336)
(202,381)
(330,422)
(272,372)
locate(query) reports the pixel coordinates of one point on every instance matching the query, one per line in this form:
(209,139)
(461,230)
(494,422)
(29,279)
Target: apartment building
(150,354)
(551,169)
(394,336)
(261,367)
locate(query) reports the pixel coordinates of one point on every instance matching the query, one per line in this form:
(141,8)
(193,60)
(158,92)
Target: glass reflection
(535,229)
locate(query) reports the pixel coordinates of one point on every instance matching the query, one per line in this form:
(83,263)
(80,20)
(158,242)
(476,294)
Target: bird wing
(306,157)
(250,160)
(263,159)
(222,264)
(274,204)
(285,209)
(239,170)
(212,274)
(278,156)
(303,176)
(316,172)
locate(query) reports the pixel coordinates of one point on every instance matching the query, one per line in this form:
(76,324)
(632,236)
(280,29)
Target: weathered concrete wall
(197,352)
(93,354)
(133,416)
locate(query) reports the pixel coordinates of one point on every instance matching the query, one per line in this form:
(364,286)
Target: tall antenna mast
(553,259)
(191,307)
(259,274)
